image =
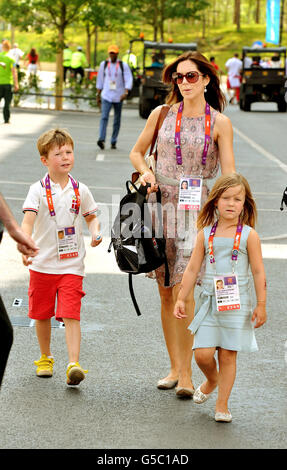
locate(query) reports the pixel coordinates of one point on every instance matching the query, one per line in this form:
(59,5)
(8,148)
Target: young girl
(223,318)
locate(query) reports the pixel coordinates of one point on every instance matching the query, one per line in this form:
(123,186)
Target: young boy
(53,208)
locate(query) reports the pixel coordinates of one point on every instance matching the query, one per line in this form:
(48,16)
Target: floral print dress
(174,220)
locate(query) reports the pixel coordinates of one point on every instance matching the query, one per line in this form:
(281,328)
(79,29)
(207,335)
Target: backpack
(284,199)
(138,249)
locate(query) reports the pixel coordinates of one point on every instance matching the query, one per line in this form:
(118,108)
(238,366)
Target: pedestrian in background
(114,81)
(234,66)
(32,62)
(53,208)
(78,64)
(26,246)
(67,59)
(8,77)
(228,243)
(215,65)
(16,54)
(194,139)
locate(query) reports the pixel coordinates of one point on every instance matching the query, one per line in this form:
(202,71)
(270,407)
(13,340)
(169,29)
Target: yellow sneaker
(75,373)
(45,366)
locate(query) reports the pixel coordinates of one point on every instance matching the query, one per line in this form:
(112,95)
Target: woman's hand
(148,177)
(179,309)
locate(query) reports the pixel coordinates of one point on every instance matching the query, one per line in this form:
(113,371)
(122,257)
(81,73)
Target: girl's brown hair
(213,96)
(207,215)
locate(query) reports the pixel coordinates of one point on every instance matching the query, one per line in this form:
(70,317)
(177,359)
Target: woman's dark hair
(213,96)
(33,52)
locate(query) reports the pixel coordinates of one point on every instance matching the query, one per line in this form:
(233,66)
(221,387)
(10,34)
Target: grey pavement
(118,405)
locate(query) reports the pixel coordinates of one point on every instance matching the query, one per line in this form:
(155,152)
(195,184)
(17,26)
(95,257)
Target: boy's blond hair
(53,138)
(207,215)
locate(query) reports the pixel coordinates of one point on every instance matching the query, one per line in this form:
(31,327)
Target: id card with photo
(190,189)
(113,85)
(67,242)
(227,292)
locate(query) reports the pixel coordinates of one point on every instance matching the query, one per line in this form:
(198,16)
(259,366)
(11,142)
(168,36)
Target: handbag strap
(162,115)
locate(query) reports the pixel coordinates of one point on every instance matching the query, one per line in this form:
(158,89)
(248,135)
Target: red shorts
(228,84)
(44,289)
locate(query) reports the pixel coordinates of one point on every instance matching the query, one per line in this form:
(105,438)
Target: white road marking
(261,150)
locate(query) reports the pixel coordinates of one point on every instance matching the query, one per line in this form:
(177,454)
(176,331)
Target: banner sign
(273,21)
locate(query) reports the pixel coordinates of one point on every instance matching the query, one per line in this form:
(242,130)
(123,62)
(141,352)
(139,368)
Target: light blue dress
(230,330)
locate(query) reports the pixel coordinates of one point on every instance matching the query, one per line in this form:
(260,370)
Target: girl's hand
(260,315)
(148,177)
(179,309)
(96,239)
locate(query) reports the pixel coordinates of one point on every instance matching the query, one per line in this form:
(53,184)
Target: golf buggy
(151,90)
(263,77)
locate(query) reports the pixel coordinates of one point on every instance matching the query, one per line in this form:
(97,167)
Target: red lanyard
(116,72)
(177,134)
(50,198)
(234,253)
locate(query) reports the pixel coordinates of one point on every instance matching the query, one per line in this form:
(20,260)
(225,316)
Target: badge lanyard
(206,137)
(116,72)
(50,198)
(236,243)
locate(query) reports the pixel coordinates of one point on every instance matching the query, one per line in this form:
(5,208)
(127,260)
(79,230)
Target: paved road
(118,406)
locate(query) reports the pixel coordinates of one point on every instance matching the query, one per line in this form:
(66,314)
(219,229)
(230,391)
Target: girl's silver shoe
(200,397)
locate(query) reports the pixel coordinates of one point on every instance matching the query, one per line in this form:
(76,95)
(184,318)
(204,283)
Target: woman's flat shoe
(199,396)
(223,417)
(166,384)
(184,392)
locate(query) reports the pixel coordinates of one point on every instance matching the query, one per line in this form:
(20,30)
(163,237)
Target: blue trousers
(106,107)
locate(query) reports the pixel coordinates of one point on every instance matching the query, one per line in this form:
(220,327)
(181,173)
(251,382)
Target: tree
(106,15)
(40,14)
(236,18)
(157,12)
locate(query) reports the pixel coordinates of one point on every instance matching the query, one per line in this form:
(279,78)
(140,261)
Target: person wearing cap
(78,63)
(114,81)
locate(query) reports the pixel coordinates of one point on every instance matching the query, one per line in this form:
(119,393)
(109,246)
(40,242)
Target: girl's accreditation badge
(67,242)
(190,189)
(226,292)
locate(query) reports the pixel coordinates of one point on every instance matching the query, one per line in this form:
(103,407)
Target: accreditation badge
(67,242)
(226,292)
(190,190)
(113,85)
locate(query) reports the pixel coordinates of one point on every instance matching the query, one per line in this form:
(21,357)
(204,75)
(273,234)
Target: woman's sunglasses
(191,77)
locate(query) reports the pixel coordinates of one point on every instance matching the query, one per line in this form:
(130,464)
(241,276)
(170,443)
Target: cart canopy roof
(259,50)
(184,46)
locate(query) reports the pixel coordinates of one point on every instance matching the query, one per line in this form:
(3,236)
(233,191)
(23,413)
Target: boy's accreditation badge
(67,242)
(190,189)
(226,292)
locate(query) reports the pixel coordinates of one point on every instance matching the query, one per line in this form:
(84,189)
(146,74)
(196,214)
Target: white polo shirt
(45,234)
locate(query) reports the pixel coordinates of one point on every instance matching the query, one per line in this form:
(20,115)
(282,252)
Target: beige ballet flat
(223,417)
(184,392)
(166,384)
